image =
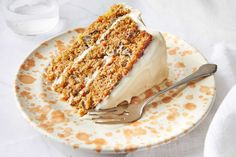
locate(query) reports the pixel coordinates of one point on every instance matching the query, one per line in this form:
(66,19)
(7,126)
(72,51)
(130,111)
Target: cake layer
(84,41)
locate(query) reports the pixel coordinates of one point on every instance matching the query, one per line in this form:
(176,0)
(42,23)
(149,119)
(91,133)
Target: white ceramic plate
(167,118)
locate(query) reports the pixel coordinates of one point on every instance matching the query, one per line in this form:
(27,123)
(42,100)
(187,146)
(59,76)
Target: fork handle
(203,71)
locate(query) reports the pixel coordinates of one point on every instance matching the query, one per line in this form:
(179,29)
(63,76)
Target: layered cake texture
(114,59)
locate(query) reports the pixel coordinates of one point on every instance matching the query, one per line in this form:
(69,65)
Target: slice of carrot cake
(116,58)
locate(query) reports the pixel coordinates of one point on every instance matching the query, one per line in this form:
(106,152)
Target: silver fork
(125,112)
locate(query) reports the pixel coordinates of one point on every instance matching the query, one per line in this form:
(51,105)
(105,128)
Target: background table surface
(202,23)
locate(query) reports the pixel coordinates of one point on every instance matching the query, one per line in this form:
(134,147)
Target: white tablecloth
(209,25)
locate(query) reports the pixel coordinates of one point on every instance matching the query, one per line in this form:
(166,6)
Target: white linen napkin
(221,136)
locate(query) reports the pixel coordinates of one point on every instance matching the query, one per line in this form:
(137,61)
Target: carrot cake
(114,59)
